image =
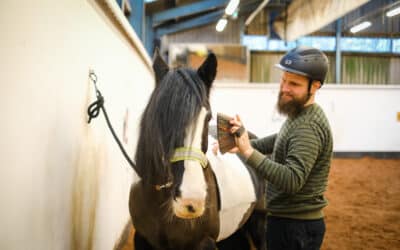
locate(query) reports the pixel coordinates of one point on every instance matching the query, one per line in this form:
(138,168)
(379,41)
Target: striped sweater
(297,172)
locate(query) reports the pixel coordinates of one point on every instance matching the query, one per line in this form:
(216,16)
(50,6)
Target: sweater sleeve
(264,145)
(302,153)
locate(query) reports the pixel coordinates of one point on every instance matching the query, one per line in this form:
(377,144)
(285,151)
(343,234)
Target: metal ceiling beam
(134,12)
(189,24)
(306,16)
(187,10)
(149,36)
(136,17)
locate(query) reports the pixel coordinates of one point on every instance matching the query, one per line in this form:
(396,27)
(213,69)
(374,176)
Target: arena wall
(64,183)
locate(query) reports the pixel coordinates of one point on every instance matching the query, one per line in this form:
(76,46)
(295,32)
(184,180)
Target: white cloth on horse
(236,189)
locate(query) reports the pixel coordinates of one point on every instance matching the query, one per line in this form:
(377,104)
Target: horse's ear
(208,70)
(160,67)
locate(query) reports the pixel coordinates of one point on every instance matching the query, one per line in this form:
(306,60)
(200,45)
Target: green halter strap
(185,154)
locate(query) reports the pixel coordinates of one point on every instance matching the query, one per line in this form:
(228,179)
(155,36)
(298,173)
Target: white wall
(63,183)
(363,117)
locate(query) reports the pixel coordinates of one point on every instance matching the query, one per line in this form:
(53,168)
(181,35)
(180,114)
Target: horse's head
(173,138)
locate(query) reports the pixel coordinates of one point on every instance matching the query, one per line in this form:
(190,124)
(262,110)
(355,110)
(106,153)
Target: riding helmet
(306,61)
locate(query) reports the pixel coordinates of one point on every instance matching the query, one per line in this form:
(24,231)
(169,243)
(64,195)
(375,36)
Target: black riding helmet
(306,61)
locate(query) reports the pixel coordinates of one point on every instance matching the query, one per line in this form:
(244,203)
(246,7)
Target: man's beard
(293,107)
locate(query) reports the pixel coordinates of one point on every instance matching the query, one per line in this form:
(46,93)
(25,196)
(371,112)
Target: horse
(187,197)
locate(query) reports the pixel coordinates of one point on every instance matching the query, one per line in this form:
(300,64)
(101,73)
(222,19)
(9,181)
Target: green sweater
(297,173)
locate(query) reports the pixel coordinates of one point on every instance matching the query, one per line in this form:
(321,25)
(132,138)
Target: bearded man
(300,155)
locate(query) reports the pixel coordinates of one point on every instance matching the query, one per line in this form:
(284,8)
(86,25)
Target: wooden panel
(262,67)
(233,66)
(228,70)
(394,77)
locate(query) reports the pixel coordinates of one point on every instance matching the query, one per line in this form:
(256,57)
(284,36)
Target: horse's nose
(188,208)
(192,205)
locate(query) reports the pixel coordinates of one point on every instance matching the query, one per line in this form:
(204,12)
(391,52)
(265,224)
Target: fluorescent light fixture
(393,12)
(360,27)
(235,15)
(232,5)
(221,24)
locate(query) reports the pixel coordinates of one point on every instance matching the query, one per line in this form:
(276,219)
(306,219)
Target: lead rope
(94,111)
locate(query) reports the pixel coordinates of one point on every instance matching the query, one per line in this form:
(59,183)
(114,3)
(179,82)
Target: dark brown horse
(187,198)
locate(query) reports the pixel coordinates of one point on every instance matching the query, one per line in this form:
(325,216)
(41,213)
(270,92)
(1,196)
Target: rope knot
(95,107)
(94,110)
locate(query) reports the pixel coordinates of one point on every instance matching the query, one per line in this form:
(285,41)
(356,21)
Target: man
(297,172)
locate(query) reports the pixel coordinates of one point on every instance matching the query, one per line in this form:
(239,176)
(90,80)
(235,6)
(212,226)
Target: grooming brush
(226,139)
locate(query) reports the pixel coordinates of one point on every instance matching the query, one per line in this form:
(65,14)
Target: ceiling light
(221,24)
(393,12)
(360,27)
(232,5)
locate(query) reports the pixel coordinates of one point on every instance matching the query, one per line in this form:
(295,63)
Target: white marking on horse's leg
(193,187)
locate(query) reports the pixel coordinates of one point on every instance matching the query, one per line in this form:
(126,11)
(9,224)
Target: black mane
(157,211)
(174,104)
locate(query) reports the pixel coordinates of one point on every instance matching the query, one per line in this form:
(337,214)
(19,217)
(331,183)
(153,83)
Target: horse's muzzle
(188,208)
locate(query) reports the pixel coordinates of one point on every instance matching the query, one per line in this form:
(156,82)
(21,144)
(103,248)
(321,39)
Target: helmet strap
(310,81)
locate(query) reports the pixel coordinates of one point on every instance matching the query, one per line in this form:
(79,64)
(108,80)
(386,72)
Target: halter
(185,154)
(189,154)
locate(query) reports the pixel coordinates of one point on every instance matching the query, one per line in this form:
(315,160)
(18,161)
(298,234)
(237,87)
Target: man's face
(293,94)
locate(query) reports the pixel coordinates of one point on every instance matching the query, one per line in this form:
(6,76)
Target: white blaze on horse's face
(193,189)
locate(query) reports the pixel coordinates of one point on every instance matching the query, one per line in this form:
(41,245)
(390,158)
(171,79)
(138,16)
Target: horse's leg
(141,243)
(207,244)
(256,226)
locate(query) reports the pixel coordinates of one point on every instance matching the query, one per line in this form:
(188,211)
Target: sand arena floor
(364,208)
(364,205)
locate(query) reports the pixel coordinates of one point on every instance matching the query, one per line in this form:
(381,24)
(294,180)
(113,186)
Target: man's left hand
(242,141)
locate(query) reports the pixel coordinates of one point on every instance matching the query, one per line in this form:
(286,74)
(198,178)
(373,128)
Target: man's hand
(243,145)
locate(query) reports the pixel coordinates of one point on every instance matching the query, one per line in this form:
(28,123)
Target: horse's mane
(173,105)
